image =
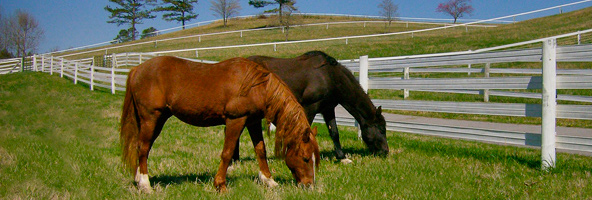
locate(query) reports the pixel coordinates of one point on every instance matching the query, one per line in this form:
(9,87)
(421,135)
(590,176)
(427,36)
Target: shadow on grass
(180,179)
(481,152)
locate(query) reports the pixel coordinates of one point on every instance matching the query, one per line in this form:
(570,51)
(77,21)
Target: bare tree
(455,8)
(225,9)
(178,10)
(22,33)
(389,10)
(130,12)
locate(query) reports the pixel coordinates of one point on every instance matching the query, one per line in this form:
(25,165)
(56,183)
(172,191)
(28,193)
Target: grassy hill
(447,40)
(60,141)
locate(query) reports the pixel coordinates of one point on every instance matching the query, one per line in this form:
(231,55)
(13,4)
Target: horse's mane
(282,108)
(255,75)
(286,113)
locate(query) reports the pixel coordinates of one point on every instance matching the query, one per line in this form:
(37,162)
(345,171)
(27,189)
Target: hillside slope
(447,40)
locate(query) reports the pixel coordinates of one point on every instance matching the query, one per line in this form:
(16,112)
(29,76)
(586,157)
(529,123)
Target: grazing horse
(319,83)
(237,93)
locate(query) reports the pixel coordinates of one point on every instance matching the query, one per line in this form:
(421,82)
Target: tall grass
(60,141)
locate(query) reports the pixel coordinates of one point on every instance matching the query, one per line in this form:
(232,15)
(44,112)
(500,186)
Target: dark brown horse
(238,93)
(319,83)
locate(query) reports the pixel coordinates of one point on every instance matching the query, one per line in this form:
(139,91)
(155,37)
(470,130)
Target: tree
(225,8)
(22,33)
(284,5)
(455,8)
(178,10)
(149,32)
(130,12)
(123,36)
(389,10)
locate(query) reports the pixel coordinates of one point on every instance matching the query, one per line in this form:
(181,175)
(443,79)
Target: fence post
(92,77)
(42,63)
(35,62)
(363,82)
(22,64)
(579,38)
(62,68)
(112,79)
(406,77)
(76,73)
(51,65)
(549,104)
(486,91)
(113,60)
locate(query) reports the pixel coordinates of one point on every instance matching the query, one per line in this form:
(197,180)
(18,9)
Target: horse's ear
(314,131)
(379,110)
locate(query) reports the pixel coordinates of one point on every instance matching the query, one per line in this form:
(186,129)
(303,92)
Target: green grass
(60,141)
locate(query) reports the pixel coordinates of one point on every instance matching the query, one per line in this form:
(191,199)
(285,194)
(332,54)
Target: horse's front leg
(232,133)
(256,134)
(329,117)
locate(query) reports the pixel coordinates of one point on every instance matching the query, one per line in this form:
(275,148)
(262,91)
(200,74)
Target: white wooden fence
(551,80)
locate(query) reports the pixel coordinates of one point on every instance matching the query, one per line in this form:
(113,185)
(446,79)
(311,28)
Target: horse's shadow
(208,177)
(167,179)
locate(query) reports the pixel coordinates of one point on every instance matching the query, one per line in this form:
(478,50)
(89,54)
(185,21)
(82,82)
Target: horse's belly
(201,120)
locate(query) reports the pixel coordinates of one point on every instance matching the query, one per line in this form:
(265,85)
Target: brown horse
(319,83)
(238,93)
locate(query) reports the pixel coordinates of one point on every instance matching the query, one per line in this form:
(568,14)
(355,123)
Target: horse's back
(197,93)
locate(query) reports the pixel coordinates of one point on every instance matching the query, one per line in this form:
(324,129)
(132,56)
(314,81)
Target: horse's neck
(355,100)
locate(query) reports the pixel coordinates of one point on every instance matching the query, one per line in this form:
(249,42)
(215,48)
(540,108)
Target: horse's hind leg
(150,127)
(256,134)
(329,116)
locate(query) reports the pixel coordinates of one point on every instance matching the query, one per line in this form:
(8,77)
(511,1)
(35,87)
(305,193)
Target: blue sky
(75,23)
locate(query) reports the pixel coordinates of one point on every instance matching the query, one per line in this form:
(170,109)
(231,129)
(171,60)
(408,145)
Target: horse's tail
(128,135)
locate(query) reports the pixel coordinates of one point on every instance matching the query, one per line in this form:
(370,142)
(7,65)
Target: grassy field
(60,141)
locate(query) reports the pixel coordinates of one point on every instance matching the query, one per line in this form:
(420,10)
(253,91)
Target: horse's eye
(306,159)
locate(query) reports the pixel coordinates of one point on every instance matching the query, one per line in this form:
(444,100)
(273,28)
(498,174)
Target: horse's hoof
(222,189)
(267,181)
(346,161)
(145,189)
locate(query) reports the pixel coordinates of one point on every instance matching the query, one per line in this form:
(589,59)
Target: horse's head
(374,134)
(304,158)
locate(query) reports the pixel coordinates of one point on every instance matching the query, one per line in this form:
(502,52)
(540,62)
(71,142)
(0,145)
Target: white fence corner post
(363,82)
(549,104)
